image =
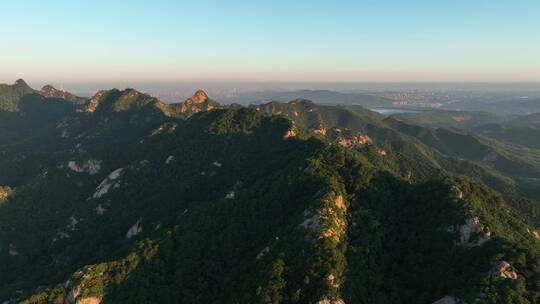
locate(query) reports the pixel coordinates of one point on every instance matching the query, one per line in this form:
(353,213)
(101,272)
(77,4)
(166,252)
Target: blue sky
(460,40)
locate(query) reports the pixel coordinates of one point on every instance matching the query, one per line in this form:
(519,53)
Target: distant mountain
(10,95)
(464,144)
(318,96)
(419,153)
(136,201)
(442,118)
(523,131)
(502,108)
(50,91)
(199,102)
(105,102)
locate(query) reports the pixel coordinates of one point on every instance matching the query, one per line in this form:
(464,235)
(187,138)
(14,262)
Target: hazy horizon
(243,41)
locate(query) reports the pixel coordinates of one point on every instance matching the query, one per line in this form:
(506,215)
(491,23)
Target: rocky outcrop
(5,193)
(456,193)
(327,221)
(263,252)
(134,230)
(290,133)
(535,235)
(320,131)
(355,141)
(472,233)
(503,270)
(91,166)
(109,182)
(169,160)
(330,301)
(449,300)
(89,300)
(199,102)
(95,101)
(50,91)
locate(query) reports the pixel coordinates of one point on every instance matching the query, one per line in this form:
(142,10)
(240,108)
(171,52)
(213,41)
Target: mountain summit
(10,95)
(199,96)
(50,91)
(21,83)
(199,102)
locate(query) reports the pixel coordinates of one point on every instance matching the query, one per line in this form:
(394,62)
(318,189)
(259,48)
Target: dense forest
(125,199)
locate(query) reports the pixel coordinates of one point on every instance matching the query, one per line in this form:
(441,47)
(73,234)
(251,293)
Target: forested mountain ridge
(127,203)
(419,153)
(50,91)
(11,94)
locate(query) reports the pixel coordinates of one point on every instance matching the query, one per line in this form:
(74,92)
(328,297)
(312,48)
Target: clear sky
(270,40)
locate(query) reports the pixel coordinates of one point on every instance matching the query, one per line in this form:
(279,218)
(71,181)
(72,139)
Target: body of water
(390,111)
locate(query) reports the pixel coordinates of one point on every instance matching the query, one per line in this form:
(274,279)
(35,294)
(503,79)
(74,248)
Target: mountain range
(122,198)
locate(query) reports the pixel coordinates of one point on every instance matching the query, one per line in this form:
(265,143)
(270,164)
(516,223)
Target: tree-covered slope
(131,205)
(419,153)
(448,118)
(10,95)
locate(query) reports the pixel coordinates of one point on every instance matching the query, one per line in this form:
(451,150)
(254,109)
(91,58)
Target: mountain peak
(199,96)
(129,99)
(199,102)
(48,88)
(21,83)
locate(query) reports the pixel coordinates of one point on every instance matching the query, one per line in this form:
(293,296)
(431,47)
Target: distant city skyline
(133,42)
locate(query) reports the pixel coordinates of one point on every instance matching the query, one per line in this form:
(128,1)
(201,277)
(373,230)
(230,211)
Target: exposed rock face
(90,300)
(199,102)
(456,193)
(320,131)
(91,166)
(535,235)
(5,193)
(169,160)
(198,97)
(107,183)
(263,252)
(290,133)
(472,233)
(135,230)
(10,95)
(95,101)
(449,300)
(326,222)
(50,91)
(355,141)
(503,270)
(330,301)
(73,297)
